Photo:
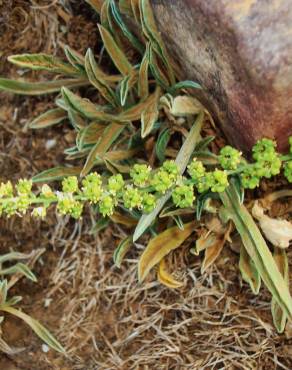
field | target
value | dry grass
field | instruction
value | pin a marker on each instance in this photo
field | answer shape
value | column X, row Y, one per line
column 104, row 318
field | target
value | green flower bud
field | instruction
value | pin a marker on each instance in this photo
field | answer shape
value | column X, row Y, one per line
column 219, row 181
column 288, row 171
column 162, row 181
column 267, row 168
column 171, row 168
column 10, row 207
column 196, row 170
column 70, row 184
column 92, row 188
column 47, row 192
column 115, row 183
column 67, row 205
column 148, row 202
column 22, row 203
column 140, row 174
column 264, row 149
column 132, row 197
column 250, row 178
column 204, row 183
column 106, row 205
column 24, row 187
column 183, row 196
column 6, row 190
column 229, row 158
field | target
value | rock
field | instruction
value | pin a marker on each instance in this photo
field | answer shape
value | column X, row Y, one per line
column 241, row 53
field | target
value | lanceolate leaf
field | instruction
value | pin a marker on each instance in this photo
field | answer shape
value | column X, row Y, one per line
column 150, row 30
column 161, row 144
column 19, row 268
column 85, row 107
column 38, row 88
column 161, row 245
column 43, row 62
column 121, row 250
column 150, row 115
column 165, row 278
column 37, row 327
column 248, row 271
column 184, row 85
column 74, row 58
column 257, row 249
column 111, row 133
column 117, row 55
column 132, row 39
column 49, row 118
column 279, row 316
column 182, row 161
column 143, row 83
column 56, row 173
column 95, row 77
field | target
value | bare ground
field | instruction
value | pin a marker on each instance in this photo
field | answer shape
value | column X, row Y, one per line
column 103, row 317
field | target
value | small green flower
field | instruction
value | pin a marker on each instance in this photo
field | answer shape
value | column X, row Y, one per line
column 10, row 207
column 229, row 158
column 162, row 181
column 70, row 184
column 148, row 202
column 219, row 181
column 39, row 212
column 140, row 174
column 67, row 205
column 46, row 191
column 115, row 183
column 92, row 187
column 22, row 203
column 250, row 178
column 106, row 205
column 205, row 182
column 288, row 170
column 132, row 197
column 24, row 187
column 267, row 168
column 171, row 168
column 6, row 190
column 196, row 170
column 264, row 149
column 183, row 196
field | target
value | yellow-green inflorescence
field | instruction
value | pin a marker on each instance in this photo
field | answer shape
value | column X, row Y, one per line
column 143, row 186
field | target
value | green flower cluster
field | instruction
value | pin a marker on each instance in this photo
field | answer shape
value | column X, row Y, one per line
column 144, row 186
column 267, row 164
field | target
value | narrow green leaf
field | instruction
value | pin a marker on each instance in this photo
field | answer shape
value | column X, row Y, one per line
column 50, row 118
column 128, row 34
column 95, row 77
column 143, row 83
column 150, row 115
column 56, row 173
column 43, row 62
column 257, row 249
column 184, row 85
column 111, row 133
column 3, row 291
column 161, row 144
column 19, row 268
column 182, row 160
column 124, row 90
column 37, row 327
column 39, row 88
column 121, row 250
column 117, row 55
column 76, row 120
column 74, row 58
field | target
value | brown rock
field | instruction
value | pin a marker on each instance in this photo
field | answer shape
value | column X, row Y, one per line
column 240, row 51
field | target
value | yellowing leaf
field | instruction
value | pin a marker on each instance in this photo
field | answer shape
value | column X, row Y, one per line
column 123, row 220
column 184, row 105
column 49, row 118
column 150, row 115
column 117, row 55
column 248, row 271
column 96, row 4
column 43, row 62
column 165, row 278
column 161, row 245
